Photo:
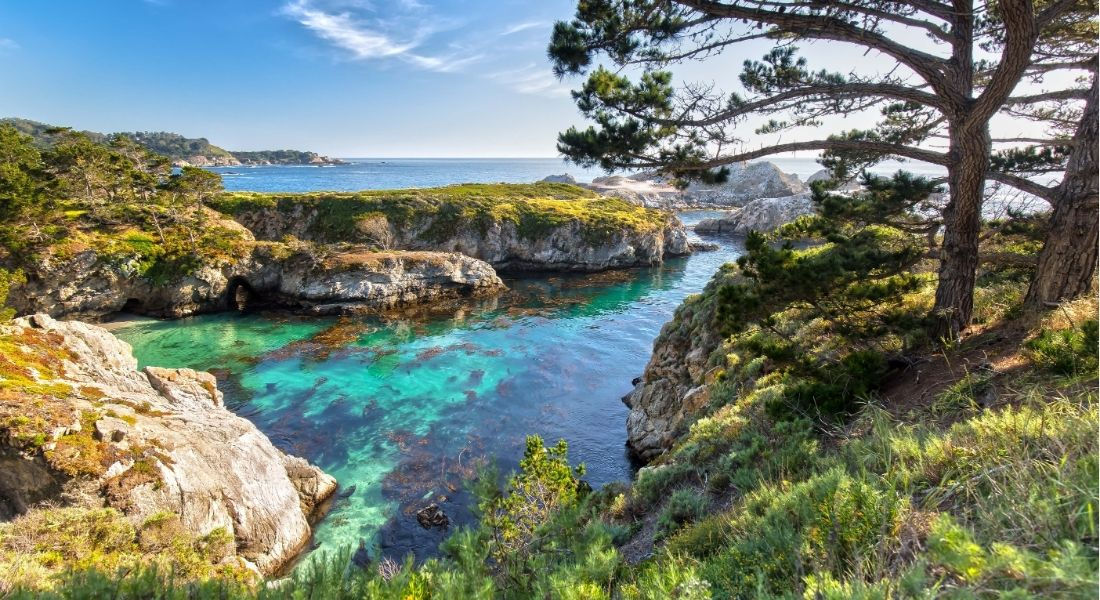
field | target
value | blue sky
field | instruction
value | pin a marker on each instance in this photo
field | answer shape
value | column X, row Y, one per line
column 344, row 77
column 384, row 78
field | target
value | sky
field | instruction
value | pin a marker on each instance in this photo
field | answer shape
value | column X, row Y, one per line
column 348, row 78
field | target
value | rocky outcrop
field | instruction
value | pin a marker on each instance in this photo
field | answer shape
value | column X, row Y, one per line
column 563, row 178
column 746, row 182
column 568, row 246
column 763, row 215
column 146, row 442
column 824, row 175
column 354, row 281
column 673, row 390
column 320, row 280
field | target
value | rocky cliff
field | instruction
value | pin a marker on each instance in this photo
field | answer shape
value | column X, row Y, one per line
column 300, row 276
column 673, row 390
column 517, row 230
column 80, row 425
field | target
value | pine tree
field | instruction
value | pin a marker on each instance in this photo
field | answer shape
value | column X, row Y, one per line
column 941, row 88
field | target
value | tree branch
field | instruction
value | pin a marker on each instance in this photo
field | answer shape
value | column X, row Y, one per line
column 1070, row 94
column 829, row 28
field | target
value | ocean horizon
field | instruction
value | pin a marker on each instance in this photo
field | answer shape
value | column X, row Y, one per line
column 380, row 173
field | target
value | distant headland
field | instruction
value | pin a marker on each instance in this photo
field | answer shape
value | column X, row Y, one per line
column 184, row 151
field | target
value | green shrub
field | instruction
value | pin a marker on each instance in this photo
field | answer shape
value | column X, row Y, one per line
column 1068, row 351
column 684, row 506
column 831, row 523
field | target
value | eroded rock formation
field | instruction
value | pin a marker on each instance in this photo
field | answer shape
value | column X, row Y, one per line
column 88, row 428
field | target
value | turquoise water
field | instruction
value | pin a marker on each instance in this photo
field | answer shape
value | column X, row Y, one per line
column 403, row 409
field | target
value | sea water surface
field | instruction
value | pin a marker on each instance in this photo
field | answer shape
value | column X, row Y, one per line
column 398, row 173
column 401, row 410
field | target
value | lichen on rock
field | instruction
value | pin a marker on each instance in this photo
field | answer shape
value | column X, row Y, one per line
column 83, row 427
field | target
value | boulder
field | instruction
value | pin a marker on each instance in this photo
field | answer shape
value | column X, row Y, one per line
column 824, row 175
column 563, row 178
column 764, row 215
column 173, row 447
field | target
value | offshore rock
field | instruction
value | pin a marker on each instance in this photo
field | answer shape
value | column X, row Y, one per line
column 746, row 182
column 764, row 215
column 164, row 443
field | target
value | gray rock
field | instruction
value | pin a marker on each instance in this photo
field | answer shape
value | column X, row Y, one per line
column 354, row 278
column 563, row 178
column 199, row 461
column 747, row 182
column 563, row 248
column 764, row 215
column 852, row 185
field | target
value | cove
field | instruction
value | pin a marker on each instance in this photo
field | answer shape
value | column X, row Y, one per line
column 401, row 409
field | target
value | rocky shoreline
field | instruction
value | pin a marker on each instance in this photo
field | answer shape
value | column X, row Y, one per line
column 747, row 182
column 281, row 257
column 91, row 430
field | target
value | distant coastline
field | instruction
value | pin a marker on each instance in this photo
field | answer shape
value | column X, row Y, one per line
column 182, row 151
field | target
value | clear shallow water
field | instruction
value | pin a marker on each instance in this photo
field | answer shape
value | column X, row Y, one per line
column 403, row 408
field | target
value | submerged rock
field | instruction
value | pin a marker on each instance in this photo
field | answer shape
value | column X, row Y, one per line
column 432, row 516
column 156, row 441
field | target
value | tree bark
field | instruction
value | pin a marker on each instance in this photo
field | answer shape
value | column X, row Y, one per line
column 967, row 163
column 970, row 149
column 1067, row 262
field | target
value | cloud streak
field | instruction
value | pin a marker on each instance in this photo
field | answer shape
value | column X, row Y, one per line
column 518, row 27
column 531, row 79
column 8, row 45
column 366, row 41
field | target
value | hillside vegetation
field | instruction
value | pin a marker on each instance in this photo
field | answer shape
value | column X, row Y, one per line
column 176, row 147
column 535, row 210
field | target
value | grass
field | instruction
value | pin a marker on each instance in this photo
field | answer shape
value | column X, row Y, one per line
column 439, row 214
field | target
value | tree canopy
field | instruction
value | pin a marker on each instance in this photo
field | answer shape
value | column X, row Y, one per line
column 936, row 94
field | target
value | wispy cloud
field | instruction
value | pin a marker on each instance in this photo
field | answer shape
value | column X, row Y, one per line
column 518, row 27
column 531, row 79
column 373, row 39
column 8, row 45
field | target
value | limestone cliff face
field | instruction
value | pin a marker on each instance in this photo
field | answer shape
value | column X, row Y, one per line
column 146, row 442
column 335, row 280
column 673, row 391
column 564, row 247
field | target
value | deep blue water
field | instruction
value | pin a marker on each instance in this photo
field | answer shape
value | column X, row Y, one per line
column 397, row 173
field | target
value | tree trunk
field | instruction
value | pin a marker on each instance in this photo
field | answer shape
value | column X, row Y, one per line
column 969, row 161
column 1067, row 262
